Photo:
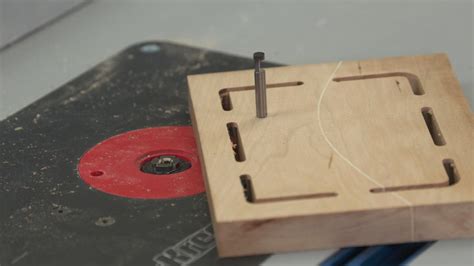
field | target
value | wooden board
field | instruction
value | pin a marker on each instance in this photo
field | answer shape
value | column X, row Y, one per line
column 351, row 153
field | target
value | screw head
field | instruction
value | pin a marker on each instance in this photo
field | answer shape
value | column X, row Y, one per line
column 259, row 56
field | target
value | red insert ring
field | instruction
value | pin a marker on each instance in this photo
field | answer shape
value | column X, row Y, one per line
column 113, row 165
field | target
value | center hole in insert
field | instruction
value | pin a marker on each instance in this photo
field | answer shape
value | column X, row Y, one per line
column 165, row 165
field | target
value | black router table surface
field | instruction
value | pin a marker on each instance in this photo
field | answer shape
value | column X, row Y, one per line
column 48, row 214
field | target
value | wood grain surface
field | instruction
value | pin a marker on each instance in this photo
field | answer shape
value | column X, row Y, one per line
column 351, row 153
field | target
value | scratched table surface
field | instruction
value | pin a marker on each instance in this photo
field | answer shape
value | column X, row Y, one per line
column 326, row 31
column 53, row 217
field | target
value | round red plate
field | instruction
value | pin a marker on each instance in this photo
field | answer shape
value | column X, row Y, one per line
column 113, row 166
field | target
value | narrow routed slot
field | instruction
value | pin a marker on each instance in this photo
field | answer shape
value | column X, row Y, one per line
column 226, row 101
column 433, row 126
column 236, row 141
column 451, row 172
column 247, row 186
column 414, row 81
column 249, row 193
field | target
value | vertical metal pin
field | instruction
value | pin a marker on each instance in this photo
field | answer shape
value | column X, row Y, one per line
column 260, row 85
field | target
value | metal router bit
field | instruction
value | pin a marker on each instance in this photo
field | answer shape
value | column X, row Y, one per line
column 260, row 86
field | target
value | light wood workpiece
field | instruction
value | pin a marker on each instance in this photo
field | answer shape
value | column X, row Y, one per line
column 351, row 153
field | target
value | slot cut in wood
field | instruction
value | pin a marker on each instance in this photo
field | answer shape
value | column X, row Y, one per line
column 236, row 141
column 249, row 193
column 433, row 126
column 248, row 188
column 451, row 172
column 226, row 101
column 414, row 81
